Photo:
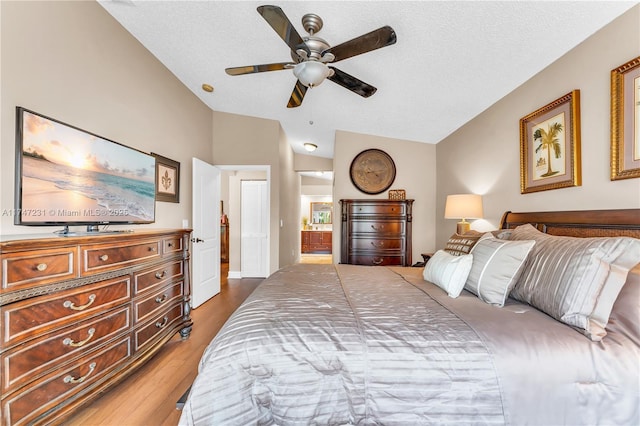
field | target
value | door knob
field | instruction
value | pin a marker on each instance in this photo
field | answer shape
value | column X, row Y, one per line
column 197, row 240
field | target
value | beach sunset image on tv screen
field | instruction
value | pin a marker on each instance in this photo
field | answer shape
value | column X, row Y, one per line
column 71, row 176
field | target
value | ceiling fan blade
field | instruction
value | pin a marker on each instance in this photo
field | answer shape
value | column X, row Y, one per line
column 281, row 24
column 297, row 95
column 350, row 82
column 251, row 69
column 376, row 39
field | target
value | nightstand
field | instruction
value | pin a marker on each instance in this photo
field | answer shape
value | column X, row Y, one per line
column 425, row 259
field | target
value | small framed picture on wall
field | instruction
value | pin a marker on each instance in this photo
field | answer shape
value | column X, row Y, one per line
column 167, row 179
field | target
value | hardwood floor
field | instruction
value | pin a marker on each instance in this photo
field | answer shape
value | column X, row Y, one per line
column 149, row 396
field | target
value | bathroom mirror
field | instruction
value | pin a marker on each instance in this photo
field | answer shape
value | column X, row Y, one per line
column 321, row 213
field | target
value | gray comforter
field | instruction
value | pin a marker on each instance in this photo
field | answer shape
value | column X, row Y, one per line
column 345, row 344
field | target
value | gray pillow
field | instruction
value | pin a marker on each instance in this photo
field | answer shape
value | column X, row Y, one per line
column 496, row 266
column 575, row 280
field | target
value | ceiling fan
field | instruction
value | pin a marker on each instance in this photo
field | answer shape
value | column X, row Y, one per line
column 311, row 54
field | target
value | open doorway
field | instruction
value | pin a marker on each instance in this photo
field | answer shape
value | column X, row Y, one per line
column 236, row 266
column 317, row 217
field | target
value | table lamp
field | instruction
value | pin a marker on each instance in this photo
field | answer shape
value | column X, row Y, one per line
column 463, row 206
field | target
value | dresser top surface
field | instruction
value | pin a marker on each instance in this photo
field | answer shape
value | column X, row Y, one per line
column 8, row 241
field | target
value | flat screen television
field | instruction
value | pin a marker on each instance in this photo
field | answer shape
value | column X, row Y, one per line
column 68, row 176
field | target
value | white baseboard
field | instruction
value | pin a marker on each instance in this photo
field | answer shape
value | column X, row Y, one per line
column 234, row 275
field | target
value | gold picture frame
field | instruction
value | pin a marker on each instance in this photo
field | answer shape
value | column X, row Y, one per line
column 625, row 120
column 550, row 146
column 167, row 179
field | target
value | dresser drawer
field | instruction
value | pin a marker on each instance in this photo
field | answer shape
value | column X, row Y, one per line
column 156, row 302
column 376, row 260
column 23, row 269
column 159, row 326
column 378, row 227
column 54, row 389
column 24, row 319
column 377, row 244
column 378, row 209
column 172, row 245
column 158, row 276
column 28, row 361
column 105, row 257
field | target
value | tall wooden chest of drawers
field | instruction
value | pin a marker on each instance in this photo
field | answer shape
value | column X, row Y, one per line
column 79, row 313
column 376, row 232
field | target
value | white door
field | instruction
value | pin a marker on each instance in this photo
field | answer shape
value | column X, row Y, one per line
column 205, row 255
column 254, row 228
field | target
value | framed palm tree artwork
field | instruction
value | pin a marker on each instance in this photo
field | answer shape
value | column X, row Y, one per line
column 167, row 179
column 550, row 146
column 625, row 120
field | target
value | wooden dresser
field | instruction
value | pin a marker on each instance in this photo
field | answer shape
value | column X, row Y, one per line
column 80, row 313
column 376, row 232
column 316, row 241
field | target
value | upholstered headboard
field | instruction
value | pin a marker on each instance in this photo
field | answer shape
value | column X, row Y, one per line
column 579, row 223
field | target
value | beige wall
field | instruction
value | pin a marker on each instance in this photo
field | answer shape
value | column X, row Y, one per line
column 483, row 156
column 415, row 173
column 289, row 223
column 72, row 61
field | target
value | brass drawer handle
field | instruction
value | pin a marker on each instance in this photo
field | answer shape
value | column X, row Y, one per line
column 104, row 257
column 71, row 379
column 377, row 228
column 377, row 262
column 161, row 275
column 152, row 248
column 377, row 244
column 164, row 322
column 161, row 299
column 169, row 244
column 69, row 342
column 41, row 267
column 69, row 304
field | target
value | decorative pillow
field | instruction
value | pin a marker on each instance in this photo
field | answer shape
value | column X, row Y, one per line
column 503, row 234
column 496, row 266
column 575, row 280
column 460, row 244
column 625, row 315
column 448, row 272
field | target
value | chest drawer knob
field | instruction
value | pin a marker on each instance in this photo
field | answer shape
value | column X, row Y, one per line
column 69, row 342
column 164, row 322
column 162, row 298
column 104, row 257
column 152, row 248
column 41, row 267
column 377, row 227
column 161, row 275
column 377, row 244
column 71, row 379
column 69, row 304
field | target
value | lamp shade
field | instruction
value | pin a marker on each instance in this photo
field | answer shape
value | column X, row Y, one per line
column 311, row 73
column 463, row 206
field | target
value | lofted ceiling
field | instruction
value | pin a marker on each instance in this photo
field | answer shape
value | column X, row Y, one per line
column 451, row 61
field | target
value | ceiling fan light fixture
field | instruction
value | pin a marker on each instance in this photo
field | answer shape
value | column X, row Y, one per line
column 311, row 73
column 310, row 146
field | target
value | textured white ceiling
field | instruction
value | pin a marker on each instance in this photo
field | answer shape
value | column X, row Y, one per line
column 452, row 60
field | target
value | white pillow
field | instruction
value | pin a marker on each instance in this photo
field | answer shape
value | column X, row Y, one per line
column 448, row 272
column 497, row 264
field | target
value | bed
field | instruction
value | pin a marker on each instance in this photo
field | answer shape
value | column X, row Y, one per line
column 347, row 344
